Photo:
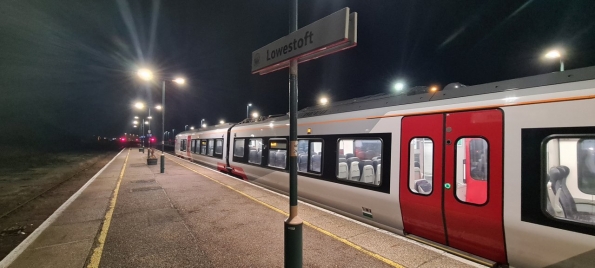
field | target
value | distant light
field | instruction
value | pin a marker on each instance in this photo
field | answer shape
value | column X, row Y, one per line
column 145, row 74
column 139, row 105
column 134, row 125
column 456, row 86
column 255, row 114
column 221, row 122
column 158, row 107
column 553, row 54
column 399, row 86
column 150, row 117
column 204, row 125
column 180, row 80
column 323, row 100
column 146, row 122
column 433, row 89
column 271, row 124
column 136, row 117
column 249, row 104
column 191, row 127
column 287, row 124
column 135, row 122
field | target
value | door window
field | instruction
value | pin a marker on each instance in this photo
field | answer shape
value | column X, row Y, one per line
column 421, row 153
column 472, row 170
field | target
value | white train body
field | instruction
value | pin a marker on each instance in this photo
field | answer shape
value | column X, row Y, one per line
column 468, row 167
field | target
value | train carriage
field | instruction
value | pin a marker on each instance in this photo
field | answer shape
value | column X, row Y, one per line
column 503, row 171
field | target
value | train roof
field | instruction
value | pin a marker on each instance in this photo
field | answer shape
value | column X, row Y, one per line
column 208, row 128
column 423, row 94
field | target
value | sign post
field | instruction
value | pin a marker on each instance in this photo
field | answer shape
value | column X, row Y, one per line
column 328, row 35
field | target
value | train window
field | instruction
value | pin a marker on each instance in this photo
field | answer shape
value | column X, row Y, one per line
column 238, row 147
column 421, row 153
column 570, row 179
column 255, row 152
column 472, row 170
column 303, row 155
column 278, row 153
column 211, row 147
column 360, row 160
column 183, row 145
column 203, row 147
column 316, row 156
column 219, row 146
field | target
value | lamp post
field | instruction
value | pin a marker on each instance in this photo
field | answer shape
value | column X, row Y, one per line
column 201, row 122
column 555, row 54
column 148, row 75
column 248, row 110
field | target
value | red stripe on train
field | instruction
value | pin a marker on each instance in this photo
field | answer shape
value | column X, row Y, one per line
column 239, row 172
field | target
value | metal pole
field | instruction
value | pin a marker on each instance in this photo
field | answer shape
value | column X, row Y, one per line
column 561, row 65
column 162, row 127
column 293, row 224
column 247, row 112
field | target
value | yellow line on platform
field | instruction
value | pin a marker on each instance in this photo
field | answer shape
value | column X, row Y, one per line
column 98, row 251
column 345, row 241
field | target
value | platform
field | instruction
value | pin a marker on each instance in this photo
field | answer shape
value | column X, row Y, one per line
column 130, row 215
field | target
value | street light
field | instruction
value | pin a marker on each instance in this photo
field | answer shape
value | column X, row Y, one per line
column 247, row 110
column 139, row 105
column 146, row 74
column 191, row 128
column 221, row 122
column 201, row 122
column 158, row 107
column 398, row 86
column 204, row 125
column 255, row 114
column 555, row 54
column 136, row 117
column 323, row 100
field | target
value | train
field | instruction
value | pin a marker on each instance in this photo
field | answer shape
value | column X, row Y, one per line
column 501, row 172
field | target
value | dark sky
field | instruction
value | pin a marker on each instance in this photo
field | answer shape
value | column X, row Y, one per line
column 67, row 67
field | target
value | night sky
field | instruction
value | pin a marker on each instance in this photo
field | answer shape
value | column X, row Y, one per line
column 67, row 67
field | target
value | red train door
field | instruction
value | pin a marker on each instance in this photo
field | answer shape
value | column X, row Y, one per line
column 466, row 180
column 422, row 209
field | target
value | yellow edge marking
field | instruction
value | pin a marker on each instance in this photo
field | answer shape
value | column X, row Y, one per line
column 98, row 251
column 345, row 241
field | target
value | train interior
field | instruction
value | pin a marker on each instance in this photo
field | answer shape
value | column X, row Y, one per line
column 315, row 149
column 421, row 164
column 360, row 160
column 570, row 183
column 471, row 168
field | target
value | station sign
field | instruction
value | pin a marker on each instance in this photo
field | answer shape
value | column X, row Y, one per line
column 328, row 35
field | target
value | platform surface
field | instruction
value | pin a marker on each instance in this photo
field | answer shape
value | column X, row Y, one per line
column 131, row 215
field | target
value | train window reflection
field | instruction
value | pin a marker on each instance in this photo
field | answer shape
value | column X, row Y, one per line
column 360, row 160
column 303, row 155
column 570, row 179
column 472, row 170
column 278, row 153
column 421, row 153
column 183, row 145
column 211, row 147
column 238, row 147
column 219, row 146
column 255, row 151
column 316, row 156
column 203, row 147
